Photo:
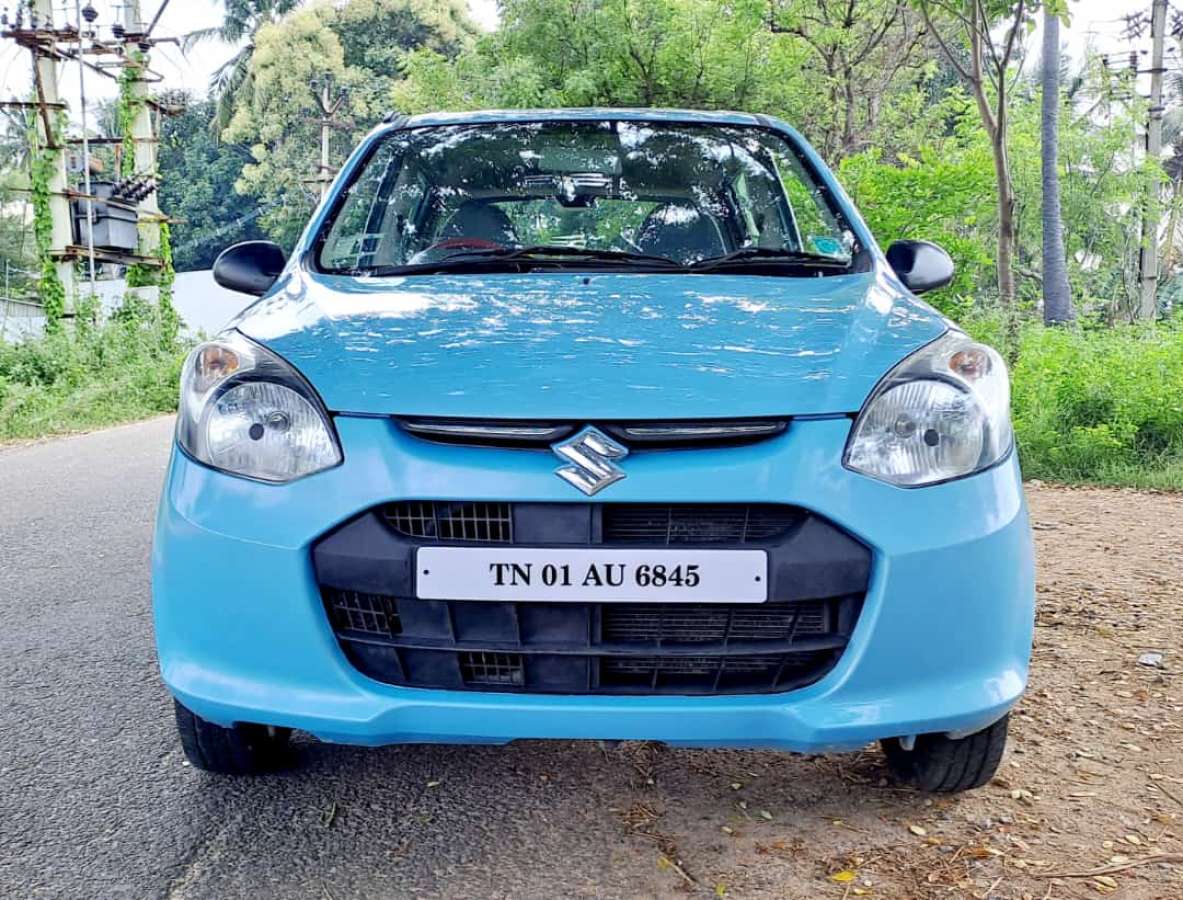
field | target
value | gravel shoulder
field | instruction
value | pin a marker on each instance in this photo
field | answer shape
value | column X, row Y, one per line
column 95, row 800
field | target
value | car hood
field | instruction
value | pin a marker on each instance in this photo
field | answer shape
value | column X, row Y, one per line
column 592, row 346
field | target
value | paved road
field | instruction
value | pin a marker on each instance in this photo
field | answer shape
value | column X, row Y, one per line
column 95, row 800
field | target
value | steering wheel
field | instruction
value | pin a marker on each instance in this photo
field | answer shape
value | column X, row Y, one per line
column 465, row 243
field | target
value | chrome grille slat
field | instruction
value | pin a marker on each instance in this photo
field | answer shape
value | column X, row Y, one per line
column 527, row 433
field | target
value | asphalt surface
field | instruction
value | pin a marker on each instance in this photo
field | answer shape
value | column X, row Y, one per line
column 95, row 797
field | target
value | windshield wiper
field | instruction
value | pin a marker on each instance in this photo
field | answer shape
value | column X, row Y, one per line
column 547, row 255
column 766, row 255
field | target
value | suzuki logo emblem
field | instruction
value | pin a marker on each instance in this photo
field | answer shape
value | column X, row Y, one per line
column 592, row 456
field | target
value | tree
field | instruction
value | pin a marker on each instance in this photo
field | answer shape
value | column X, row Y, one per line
column 987, row 76
column 198, row 173
column 279, row 120
column 703, row 54
column 861, row 47
column 242, row 21
column 1057, row 300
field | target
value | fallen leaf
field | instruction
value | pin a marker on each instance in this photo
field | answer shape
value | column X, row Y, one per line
column 844, row 876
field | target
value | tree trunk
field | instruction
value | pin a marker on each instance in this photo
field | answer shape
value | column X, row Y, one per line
column 995, row 123
column 1057, row 299
column 1007, row 229
column 1172, row 225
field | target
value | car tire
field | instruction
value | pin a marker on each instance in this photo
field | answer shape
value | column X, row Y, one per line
column 244, row 749
column 947, row 765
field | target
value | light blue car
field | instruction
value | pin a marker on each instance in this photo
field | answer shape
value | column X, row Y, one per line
column 602, row 424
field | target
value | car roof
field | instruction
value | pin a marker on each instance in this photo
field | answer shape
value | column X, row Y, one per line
column 584, row 114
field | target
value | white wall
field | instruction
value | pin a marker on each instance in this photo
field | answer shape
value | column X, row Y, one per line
column 204, row 306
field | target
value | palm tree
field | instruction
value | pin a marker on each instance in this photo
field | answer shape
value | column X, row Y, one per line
column 1172, row 136
column 1057, row 299
column 231, row 81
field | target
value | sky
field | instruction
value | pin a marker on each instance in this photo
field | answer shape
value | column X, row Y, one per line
column 1098, row 22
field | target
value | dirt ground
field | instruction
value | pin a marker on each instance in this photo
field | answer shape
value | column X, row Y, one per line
column 1088, row 801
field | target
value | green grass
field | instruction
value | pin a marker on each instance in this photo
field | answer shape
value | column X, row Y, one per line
column 1098, row 406
column 124, row 370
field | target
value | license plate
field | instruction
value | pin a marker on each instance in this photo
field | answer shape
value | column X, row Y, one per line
column 592, row 576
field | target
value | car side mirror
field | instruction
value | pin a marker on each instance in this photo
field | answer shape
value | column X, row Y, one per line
column 250, row 267
column 920, row 265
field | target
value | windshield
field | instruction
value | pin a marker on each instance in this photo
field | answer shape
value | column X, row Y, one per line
column 585, row 195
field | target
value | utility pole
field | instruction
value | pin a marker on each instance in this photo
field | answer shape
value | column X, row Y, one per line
column 85, row 141
column 1148, row 304
column 143, row 137
column 322, row 91
column 45, row 80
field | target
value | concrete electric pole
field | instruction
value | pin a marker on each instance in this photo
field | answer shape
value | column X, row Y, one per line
column 322, row 90
column 45, row 80
column 144, row 140
column 1148, row 305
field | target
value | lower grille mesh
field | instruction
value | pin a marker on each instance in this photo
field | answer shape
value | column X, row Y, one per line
column 645, row 623
column 691, row 524
column 622, row 523
column 483, row 667
column 485, row 523
column 591, row 648
column 368, row 613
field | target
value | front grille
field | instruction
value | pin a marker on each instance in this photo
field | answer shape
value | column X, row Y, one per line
column 693, row 524
column 486, row 523
column 817, row 577
column 619, row 523
column 485, row 668
column 659, row 623
column 637, row 435
column 707, row 672
column 354, row 611
column 597, row 648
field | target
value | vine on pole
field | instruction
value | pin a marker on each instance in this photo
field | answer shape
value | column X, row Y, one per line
column 138, row 275
column 43, row 161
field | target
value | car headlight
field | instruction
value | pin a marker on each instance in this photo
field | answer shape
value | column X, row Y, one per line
column 245, row 411
column 942, row 413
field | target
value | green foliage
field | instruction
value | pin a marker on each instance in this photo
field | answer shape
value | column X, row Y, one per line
column 127, row 109
column 198, row 186
column 170, row 321
column 1089, row 403
column 1096, row 404
column 280, row 120
column 125, row 369
column 691, row 53
column 42, row 164
column 943, row 190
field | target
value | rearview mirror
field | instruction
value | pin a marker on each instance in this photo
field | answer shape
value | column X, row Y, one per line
column 920, row 265
column 250, row 267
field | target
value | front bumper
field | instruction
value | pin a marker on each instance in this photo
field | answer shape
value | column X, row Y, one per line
column 941, row 645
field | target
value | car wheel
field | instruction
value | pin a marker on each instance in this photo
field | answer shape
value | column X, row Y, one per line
column 947, row 765
column 245, row 749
